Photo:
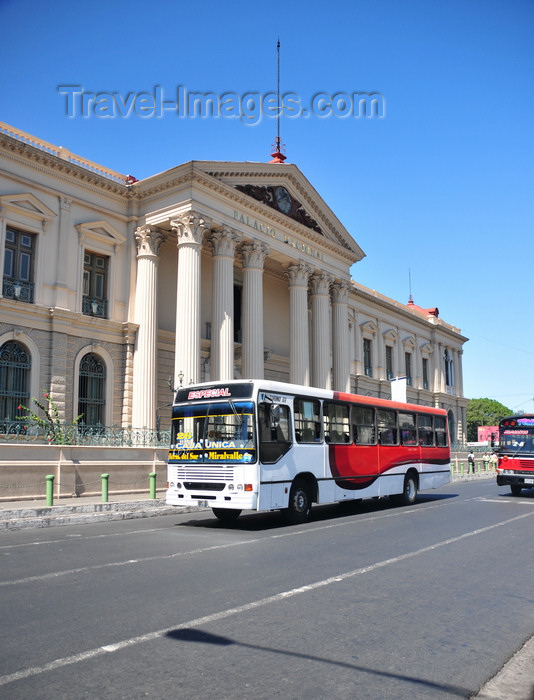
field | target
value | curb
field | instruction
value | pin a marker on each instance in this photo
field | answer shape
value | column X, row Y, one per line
column 56, row 516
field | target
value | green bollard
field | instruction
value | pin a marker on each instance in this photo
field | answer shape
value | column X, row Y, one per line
column 105, row 478
column 49, row 489
column 152, row 476
column 462, row 468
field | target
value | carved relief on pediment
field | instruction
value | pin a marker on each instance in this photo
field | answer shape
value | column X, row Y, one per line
column 280, row 199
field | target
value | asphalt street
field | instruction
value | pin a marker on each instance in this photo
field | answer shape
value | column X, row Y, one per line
column 366, row 601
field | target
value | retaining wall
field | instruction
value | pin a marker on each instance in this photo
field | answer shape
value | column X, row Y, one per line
column 77, row 470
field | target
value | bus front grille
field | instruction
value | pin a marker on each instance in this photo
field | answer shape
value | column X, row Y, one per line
column 196, row 474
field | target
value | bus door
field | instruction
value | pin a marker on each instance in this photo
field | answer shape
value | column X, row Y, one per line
column 275, row 441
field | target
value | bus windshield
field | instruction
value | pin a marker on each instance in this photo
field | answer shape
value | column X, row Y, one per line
column 213, row 432
column 517, row 440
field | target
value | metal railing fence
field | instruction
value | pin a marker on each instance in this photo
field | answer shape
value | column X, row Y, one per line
column 28, row 431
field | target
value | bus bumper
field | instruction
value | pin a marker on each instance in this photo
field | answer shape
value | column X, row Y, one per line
column 523, row 480
column 237, row 500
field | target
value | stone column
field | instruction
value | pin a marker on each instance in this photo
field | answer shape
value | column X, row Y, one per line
column 222, row 315
column 321, row 329
column 254, row 254
column 189, row 228
column 299, row 347
column 460, row 384
column 148, row 241
column 340, row 335
column 358, row 344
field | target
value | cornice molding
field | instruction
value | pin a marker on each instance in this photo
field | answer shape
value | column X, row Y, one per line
column 54, row 166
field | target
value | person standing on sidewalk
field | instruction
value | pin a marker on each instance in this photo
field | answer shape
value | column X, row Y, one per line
column 471, row 463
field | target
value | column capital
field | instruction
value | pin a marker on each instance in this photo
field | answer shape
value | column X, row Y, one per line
column 340, row 292
column 65, row 203
column 224, row 241
column 254, row 254
column 298, row 274
column 190, row 227
column 149, row 240
column 320, row 283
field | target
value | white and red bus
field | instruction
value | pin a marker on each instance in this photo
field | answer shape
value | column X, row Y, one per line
column 516, row 453
column 263, row 445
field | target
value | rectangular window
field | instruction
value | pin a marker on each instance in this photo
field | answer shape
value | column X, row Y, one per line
column 95, row 284
column 408, row 430
column 426, row 434
column 387, row 427
column 363, row 425
column 19, row 255
column 336, row 423
column 408, row 367
column 389, row 362
column 307, row 421
column 425, row 373
column 367, row 358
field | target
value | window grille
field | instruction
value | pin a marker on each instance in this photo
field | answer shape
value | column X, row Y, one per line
column 92, row 390
column 15, row 367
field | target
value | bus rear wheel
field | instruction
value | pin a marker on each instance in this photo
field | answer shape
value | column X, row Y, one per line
column 226, row 515
column 300, row 503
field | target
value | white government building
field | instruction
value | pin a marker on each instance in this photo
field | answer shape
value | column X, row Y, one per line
column 115, row 290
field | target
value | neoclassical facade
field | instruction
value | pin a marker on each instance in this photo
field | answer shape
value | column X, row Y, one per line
column 117, row 290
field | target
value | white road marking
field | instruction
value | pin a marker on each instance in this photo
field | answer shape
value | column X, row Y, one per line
column 223, row 614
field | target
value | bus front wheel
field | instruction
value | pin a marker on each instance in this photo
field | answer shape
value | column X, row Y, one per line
column 226, row 515
column 300, row 503
column 515, row 489
column 409, row 492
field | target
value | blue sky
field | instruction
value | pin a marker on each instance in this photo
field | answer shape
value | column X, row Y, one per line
column 439, row 190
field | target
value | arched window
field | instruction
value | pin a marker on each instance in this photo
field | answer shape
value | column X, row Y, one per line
column 92, row 390
column 15, row 367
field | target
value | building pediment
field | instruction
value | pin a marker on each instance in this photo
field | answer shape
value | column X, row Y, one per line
column 284, row 189
column 102, row 232
column 28, row 205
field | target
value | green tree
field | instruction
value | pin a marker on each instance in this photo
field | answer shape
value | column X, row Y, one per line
column 483, row 412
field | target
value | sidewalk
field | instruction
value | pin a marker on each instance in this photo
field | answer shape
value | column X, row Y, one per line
column 26, row 514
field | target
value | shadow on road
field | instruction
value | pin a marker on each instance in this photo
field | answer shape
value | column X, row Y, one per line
column 189, row 634
column 255, row 522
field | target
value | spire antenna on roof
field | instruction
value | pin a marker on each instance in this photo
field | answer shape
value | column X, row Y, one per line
column 410, row 299
column 277, row 155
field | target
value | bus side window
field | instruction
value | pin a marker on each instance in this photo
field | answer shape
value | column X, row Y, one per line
column 408, row 430
column 426, row 433
column 274, row 429
column 307, row 420
column 363, row 425
column 336, row 423
column 387, row 427
column 440, row 428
